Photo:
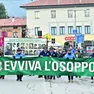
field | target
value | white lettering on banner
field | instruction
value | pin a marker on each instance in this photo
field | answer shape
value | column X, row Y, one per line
column 62, row 68
column 77, row 66
column 46, row 65
column 13, row 65
column 6, row 65
column 26, row 65
column 55, row 66
column 91, row 67
column 21, row 65
column 31, row 65
column 37, row 66
column 70, row 66
column 84, row 66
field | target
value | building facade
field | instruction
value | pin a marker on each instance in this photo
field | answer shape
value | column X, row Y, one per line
column 13, row 27
column 60, row 17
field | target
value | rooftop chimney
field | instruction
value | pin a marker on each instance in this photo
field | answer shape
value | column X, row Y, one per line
column 13, row 19
column 58, row 1
column 80, row 1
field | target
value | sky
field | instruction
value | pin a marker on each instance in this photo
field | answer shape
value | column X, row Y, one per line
column 13, row 7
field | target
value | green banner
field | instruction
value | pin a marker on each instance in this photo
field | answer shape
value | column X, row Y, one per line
column 47, row 66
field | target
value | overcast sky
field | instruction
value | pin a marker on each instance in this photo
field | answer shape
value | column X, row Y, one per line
column 13, row 7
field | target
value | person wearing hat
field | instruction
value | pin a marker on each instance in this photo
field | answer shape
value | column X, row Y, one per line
column 52, row 54
column 43, row 53
column 69, row 55
column 19, row 55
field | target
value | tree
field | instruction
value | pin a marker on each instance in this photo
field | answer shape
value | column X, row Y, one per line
column 3, row 13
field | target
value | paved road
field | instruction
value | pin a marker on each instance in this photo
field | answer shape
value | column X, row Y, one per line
column 34, row 85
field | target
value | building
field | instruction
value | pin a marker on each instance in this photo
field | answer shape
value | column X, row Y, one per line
column 60, row 17
column 13, row 27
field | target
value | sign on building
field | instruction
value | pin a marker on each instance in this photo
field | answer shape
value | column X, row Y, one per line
column 70, row 38
column 89, row 49
column 74, row 31
column 80, row 38
column 29, row 46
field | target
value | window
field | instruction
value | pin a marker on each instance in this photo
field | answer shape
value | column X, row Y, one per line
column 53, row 30
column 37, row 16
column 15, row 34
column 87, row 13
column 87, row 29
column 62, row 30
column 70, row 29
column 36, row 30
column 79, row 29
column 53, row 13
column 70, row 13
column 15, row 27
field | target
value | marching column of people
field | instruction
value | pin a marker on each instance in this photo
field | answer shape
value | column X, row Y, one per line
column 71, row 53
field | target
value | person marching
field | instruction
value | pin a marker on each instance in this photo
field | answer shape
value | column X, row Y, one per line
column 43, row 53
column 52, row 54
column 61, row 53
column 92, row 56
column 19, row 55
column 78, row 55
column 69, row 55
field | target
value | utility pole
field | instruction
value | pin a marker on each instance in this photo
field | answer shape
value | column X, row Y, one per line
column 92, row 43
column 75, row 24
column 75, row 20
column 47, row 43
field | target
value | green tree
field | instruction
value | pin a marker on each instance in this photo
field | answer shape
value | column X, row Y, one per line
column 3, row 13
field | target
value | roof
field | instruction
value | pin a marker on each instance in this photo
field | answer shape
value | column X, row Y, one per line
column 57, row 2
column 13, row 22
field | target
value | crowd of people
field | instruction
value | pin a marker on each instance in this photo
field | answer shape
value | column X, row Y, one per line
column 70, row 53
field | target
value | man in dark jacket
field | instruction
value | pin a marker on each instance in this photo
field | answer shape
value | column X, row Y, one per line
column 43, row 53
column 52, row 54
